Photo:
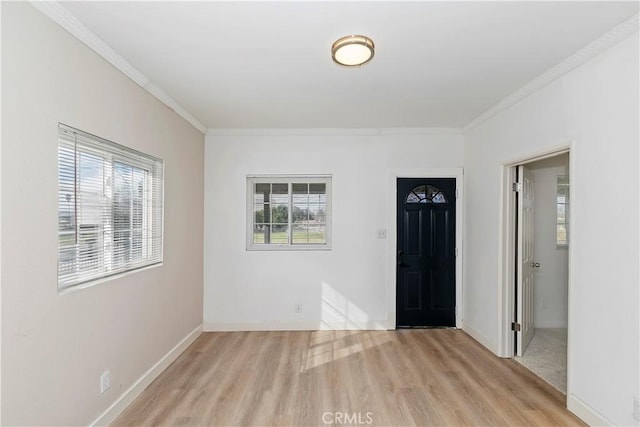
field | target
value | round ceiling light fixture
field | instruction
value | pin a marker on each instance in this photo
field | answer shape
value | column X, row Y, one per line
column 352, row 51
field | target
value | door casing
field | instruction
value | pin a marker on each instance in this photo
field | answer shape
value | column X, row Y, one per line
column 392, row 227
column 507, row 253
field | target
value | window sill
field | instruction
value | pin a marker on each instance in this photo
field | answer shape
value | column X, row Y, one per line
column 296, row 248
column 105, row 279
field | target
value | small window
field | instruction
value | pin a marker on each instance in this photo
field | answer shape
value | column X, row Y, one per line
column 289, row 212
column 109, row 208
column 426, row 194
column 562, row 211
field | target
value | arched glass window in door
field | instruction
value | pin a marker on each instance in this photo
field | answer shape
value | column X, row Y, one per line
column 426, row 194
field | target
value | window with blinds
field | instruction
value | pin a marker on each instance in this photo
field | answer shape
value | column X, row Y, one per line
column 109, row 208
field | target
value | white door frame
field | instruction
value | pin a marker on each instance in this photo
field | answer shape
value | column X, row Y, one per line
column 507, row 251
column 392, row 228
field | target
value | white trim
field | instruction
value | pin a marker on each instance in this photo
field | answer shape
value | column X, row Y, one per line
column 332, row 131
column 163, row 97
column 304, row 325
column 536, row 156
column 117, row 407
column 1, row 240
column 57, row 13
column 506, row 246
column 506, row 271
column 394, row 174
column 617, row 34
column 586, row 413
column 570, row 276
column 481, row 338
column 506, row 255
column 105, row 279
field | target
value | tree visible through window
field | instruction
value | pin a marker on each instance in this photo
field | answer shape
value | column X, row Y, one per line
column 289, row 212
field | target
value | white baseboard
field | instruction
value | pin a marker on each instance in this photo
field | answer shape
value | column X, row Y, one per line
column 302, row 325
column 112, row 412
column 544, row 324
column 481, row 338
column 586, row 413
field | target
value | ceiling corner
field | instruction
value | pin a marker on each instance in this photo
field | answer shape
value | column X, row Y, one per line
column 57, row 13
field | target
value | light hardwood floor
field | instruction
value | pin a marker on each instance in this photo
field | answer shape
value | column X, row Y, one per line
column 392, row 378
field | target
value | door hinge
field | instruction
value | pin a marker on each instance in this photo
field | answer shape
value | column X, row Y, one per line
column 515, row 326
column 517, row 186
column 456, row 252
column 456, row 194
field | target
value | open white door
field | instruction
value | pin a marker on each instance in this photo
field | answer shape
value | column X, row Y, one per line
column 526, row 263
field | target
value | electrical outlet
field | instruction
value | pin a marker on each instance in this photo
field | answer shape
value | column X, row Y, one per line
column 105, row 381
column 298, row 308
column 636, row 408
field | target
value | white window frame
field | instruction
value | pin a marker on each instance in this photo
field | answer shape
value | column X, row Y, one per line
column 152, row 207
column 252, row 180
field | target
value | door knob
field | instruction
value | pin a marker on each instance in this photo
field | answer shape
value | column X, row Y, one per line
column 535, row 264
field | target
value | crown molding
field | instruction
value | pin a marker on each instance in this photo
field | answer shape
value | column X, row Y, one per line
column 593, row 49
column 332, row 131
column 57, row 13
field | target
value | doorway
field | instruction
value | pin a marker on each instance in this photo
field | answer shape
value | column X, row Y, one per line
column 426, row 252
column 540, row 260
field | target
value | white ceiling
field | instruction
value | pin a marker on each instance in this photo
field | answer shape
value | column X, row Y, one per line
column 268, row 64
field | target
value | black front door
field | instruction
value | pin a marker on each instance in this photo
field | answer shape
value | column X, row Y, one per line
column 426, row 252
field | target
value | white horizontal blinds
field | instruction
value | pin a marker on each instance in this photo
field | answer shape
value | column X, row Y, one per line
column 109, row 208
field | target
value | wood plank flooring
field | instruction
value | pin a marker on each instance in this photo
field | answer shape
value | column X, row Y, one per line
column 428, row 377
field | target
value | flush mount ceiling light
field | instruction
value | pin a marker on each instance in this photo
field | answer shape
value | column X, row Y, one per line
column 352, row 51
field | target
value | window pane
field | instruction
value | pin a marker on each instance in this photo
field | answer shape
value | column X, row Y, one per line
column 317, row 234
column 258, row 233
column 66, row 192
column 261, row 197
column 129, row 188
column 561, row 234
column 299, row 213
column 300, row 234
column 279, row 214
column 258, row 213
column 279, row 193
column 317, row 193
column 280, row 234
column 90, row 189
column 317, row 188
column 317, row 213
column 562, row 207
column 299, row 188
column 89, row 247
column 561, row 212
column 417, row 195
